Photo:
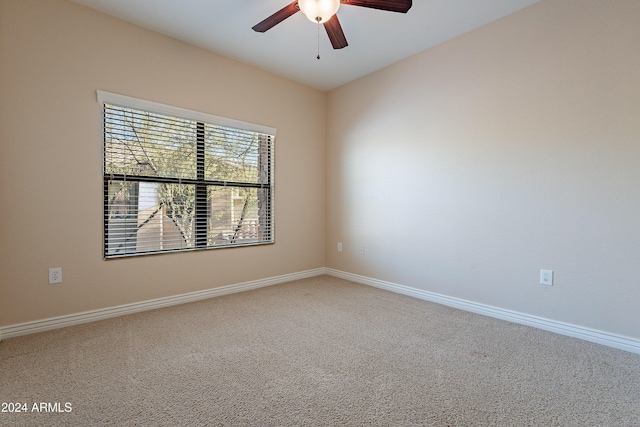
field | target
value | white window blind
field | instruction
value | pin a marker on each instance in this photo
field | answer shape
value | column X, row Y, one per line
column 174, row 183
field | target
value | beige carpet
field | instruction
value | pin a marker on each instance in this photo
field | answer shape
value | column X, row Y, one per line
column 316, row 352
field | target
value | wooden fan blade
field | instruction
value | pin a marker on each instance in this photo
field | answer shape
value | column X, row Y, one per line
column 334, row 31
column 402, row 6
column 276, row 18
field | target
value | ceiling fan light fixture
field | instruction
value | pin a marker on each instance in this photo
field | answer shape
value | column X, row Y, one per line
column 319, row 11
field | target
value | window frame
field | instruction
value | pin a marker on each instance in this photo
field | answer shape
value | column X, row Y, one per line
column 201, row 184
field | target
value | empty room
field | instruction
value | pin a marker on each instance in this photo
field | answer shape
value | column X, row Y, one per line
column 320, row 212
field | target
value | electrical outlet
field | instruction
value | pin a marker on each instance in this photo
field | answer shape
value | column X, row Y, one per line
column 55, row 275
column 339, row 246
column 546, row 277
column 362, row 250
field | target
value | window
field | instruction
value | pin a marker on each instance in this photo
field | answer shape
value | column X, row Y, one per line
column 178, row 180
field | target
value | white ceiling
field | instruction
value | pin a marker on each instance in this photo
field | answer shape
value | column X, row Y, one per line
column 376, row 38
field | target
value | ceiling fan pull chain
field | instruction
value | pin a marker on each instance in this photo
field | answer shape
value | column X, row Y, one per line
column 318, row 19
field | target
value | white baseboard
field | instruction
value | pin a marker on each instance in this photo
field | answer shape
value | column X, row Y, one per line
column 611, row 340
column 121, row 310
column 587, row 334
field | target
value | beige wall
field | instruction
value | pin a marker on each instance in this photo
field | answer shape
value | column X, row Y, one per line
column 466, row 169
column 54, row 55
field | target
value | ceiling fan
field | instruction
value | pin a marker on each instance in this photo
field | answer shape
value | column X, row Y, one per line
column 324, row 12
